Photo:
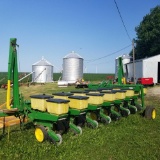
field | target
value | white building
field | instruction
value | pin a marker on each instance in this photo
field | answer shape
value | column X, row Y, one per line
column 144, row 68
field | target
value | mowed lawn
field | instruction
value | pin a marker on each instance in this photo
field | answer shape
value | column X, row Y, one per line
column 131, row 138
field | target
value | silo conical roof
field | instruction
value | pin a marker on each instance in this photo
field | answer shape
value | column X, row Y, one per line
column 43, row 62
column 73, row 55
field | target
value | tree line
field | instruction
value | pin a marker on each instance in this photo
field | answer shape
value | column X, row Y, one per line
column 147, row 42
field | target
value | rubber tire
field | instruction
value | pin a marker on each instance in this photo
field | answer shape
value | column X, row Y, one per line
column 139, row 107
column 94, row 116
column 132, row 110
column 115, row 117
column 60, row 141
column 106, row 112
column 60, row 127
column 96, row 124
column 104, row 121
column 124, row 113
column 80, row 120
column 80, row 129
column 149, row 112
column 41, row 130
column 66, row 125
column 117, row 109
column 90, row 125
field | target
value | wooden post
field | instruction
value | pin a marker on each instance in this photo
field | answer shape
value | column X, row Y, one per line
column 134, row 71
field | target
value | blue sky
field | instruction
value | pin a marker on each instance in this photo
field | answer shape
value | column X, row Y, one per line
column 54, row 28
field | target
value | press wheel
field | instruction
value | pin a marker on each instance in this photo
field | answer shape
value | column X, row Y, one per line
column 150, row 112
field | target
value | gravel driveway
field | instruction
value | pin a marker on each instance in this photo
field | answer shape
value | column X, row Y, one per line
column 153, row 91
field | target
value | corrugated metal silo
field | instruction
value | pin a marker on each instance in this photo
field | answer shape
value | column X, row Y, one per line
column 72, row 67
column 42, row 71
column 125, row 59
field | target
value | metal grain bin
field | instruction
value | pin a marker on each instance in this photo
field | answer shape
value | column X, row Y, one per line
column 72, row 67
column 42, row 71
column 125, row 60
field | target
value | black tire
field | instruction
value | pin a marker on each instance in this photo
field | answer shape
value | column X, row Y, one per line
column 80, row 120
column 132, row 110
column 150, row 112
column 92, row 126
column 89, row 125
column 66, row 125
column 60, row 127
column 117, row 108
column 104, row 121
column 124, row 113
column 139, row 107
column 94, row 116
column 107, row 112
column 114, row 117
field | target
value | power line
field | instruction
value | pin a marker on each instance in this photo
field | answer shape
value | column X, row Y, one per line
column 108, row 54
column 122, row 20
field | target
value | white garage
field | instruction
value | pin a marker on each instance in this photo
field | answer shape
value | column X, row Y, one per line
column 144, row 68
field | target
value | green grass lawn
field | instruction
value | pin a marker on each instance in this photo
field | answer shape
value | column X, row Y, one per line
column 131, row 138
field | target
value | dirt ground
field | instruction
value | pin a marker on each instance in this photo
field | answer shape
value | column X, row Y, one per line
column 153, row 91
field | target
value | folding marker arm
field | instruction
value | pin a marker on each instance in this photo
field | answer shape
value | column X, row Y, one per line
column 13, row 75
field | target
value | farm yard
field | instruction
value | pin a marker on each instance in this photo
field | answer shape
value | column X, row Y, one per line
column 47, row 113
column 129, row 138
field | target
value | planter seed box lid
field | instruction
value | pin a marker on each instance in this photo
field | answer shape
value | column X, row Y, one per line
column 108, row 92
column 91, row 90
column 62, row 94
column 78, row 97
column 94, row 94
column 108, row 88
column 121, row 91
column 79, row 92
column 41, row 96
column 54, row 100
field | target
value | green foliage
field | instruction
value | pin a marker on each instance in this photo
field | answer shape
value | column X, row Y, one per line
column 3, row 77
column 57, row 76
column 96, row 77
column 87, row 76
column 148, row 33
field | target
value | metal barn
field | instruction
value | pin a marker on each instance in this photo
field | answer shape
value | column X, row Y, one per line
column 144, row 68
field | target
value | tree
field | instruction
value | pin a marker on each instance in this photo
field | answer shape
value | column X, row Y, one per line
column 148, row 35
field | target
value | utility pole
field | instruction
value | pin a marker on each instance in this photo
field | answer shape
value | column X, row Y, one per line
column 134, row 71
